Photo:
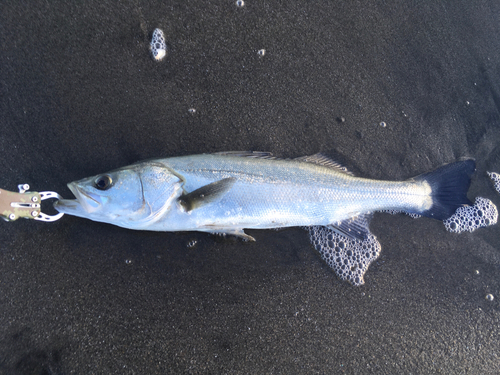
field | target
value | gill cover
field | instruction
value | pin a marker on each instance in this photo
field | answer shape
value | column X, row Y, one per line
column 160, row 188
column 130, row 197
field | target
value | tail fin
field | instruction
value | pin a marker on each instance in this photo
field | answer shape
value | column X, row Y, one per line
column 449, row 185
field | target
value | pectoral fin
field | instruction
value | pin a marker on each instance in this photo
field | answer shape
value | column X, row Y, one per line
column 206, row 194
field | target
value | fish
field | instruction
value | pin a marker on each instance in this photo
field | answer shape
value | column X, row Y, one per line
column 228, row 192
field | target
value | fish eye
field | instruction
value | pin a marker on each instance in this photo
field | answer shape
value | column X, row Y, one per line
column 103, row 182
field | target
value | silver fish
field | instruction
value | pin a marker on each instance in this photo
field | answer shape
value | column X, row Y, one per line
column 232, row 191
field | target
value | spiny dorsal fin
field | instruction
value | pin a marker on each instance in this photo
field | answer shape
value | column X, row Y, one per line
column 247, row 154
column 318, row 159
column 325, row 161
column 206, row 194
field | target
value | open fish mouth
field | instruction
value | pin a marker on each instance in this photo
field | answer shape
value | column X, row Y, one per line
column 82, row 205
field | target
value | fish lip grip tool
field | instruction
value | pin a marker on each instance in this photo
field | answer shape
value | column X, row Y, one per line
column 26, row 204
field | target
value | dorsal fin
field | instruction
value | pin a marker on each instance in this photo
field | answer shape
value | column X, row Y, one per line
column 318, row 159
column 325, row 161
column 247, row 154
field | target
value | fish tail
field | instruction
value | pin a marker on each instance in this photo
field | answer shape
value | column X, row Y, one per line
column 449, row 185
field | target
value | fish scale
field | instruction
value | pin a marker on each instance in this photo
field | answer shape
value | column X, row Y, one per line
column 292, row 193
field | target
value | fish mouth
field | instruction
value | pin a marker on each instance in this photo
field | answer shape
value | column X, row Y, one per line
column 83, row 205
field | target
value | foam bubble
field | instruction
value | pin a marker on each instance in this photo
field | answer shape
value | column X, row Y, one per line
column 395, row 212
column 348, row 257
column 158, row 45
column 495, row 177
column 469, row 218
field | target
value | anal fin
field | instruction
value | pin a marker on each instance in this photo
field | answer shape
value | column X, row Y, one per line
column 348, row 257
column 356, row 227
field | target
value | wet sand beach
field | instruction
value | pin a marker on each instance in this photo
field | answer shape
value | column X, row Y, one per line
column 389, row 89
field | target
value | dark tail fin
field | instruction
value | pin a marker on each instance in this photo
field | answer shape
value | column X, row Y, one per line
column 449, row 186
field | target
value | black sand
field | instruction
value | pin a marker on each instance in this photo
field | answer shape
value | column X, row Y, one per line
column 80, row 95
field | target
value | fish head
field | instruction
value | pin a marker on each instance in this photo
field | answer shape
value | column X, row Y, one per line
column 130, row 197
